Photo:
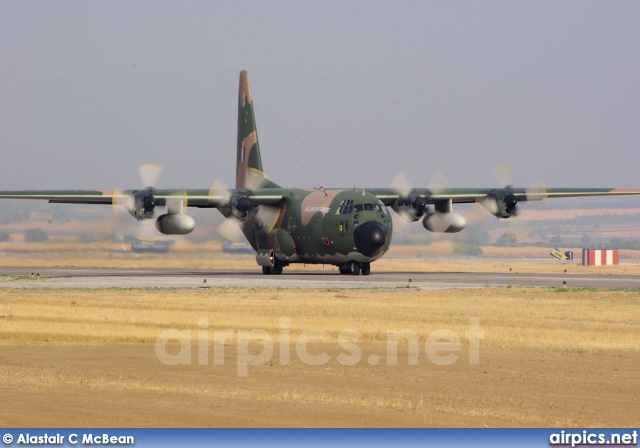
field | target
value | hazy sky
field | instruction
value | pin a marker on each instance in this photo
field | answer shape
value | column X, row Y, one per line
column 90, row 90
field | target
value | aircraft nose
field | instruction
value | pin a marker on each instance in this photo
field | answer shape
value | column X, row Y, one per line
column 369, row 238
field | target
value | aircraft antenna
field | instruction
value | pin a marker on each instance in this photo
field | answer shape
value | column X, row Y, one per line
column 317, row 153
column 300, row 164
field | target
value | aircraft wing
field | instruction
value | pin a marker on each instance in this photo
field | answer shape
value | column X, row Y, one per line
column 193, row 198
column 470, row 195
column 270, row 196
column 62, row 196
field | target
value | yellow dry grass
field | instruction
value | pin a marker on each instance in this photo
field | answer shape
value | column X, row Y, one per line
column 510, row 317
column 547, row 355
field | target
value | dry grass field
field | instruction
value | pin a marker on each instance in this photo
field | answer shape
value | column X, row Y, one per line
column 546, row 358
column 437, row 257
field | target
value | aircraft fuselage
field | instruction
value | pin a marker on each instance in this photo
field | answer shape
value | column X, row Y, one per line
column 320, row 227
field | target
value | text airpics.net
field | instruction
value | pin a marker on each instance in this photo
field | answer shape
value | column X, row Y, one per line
column 256, row 347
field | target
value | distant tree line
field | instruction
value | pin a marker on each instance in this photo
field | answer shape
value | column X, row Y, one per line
column 35, row 236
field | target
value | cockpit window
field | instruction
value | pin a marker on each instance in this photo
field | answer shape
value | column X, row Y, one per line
column 358, row 208
column 380, row 207
column 368, row 207
column 345, row 207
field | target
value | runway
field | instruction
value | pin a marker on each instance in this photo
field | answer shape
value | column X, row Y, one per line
column 186, row 278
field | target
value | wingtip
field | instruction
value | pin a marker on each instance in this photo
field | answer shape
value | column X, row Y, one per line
column 626, row 190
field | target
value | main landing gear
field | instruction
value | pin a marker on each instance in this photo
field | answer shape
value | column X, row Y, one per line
column 351, row 268
column 276, row 269
column 355, row 268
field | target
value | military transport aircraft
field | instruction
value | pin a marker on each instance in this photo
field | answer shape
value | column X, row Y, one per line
column 348, row 228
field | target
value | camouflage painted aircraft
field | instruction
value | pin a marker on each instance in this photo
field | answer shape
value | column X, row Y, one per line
column 348, row 228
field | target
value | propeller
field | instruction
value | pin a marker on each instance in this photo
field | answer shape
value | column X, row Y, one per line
column 149, row 174
column 230, row 230
column 503, row 202
column 439, row 182
column 237, row 209
column 237, row 206
column 146, row 231
column 410, row 205
column 503, row 174
column 230, row 227
column 140, row 204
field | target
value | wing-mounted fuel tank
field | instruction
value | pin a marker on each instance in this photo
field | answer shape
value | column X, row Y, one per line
column 175, row 221
column 443, row 220
column 175, row 224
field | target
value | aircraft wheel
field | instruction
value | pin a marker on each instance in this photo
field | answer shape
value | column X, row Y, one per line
column 277, row 267
column 354, row 268
column 365, row 269
column 344, row 270
column 266, row 270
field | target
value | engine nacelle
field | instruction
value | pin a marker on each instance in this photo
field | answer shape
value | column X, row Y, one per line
column 444, row 222
column 142, row 204
column 175, row 224
column 501, row 203
column 240, row 206
column 411, row 207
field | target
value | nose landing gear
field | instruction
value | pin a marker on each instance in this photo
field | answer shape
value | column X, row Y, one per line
column 355, row 268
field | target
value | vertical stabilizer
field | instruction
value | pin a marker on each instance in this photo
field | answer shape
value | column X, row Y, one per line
column 249, row 172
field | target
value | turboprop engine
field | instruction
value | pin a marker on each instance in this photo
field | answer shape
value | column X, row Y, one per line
column 141, row 204
column 240, row 206
column 410, row 206
column 501, row 202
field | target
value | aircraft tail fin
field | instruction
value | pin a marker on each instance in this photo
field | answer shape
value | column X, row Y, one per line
column 249, row 172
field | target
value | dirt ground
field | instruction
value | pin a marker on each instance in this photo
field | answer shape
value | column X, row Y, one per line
column 546, row 358
column 125, row 385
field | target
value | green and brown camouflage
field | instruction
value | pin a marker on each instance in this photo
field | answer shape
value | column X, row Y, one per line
column 320, row 227
column 249, row 171
column 347, row 228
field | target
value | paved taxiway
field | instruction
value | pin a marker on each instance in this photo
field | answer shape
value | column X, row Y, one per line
column 185, row 278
